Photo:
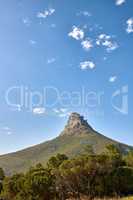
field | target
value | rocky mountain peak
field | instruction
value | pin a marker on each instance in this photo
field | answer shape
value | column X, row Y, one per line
column 76, row 125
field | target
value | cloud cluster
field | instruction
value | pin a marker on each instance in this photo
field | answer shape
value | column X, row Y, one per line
column 129, row 25
column 107, row 42
column 87, row 44
column 102, row 40
column 76, row 33
column 59, row 112
column 46, row 13
column 87, row 65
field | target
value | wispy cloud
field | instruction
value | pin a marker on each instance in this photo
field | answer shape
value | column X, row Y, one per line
column 87, row 65
column 39, row 110
column 129, row 28
column 84, row 13
column 120, row 2
column 26, row 21
column 61, row 112
column 9, row 133
column 76, row 33
column 107, row 42
column 87, row 44
column 46, row 13
column 6, row 130
column 112, row 79
column 17, row 108
column 53, row 25
column 32, row 42
column 51, row 60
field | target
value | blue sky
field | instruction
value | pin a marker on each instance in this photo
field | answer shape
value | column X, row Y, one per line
column 60, row 57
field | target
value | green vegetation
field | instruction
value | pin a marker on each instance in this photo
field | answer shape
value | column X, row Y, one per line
column 70, row 145
column 87, row 176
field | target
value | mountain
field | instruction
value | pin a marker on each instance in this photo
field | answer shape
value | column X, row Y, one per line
column 72, row 140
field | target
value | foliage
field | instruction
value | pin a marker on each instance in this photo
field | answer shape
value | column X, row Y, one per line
column 94, row 176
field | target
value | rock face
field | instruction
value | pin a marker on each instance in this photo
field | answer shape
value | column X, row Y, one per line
column 76, row 125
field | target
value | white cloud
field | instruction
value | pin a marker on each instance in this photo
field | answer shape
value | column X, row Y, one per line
column 106, row 41
column 61, row 112
column 39, row 110
column 129, row 25
column 85, row 26
column 51, row 60
column 120, row 2
column 76, row 33
column 64, row 110
column 84, row 13
column 9, row 133
column 46, row 13
column 112, row 79
column 32, row 42
column 104, row 58
column 53, row 25
column 87, row 65
column 87, row 44
column 17, row 108
column 26, row 21
column 6, row 130
column 56, row 110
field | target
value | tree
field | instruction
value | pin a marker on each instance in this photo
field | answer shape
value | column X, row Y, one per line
column 114, row 155
column 129, row 158
column 39, row 183
column 13, row 185
column 2, row 176
column 55, row 161
column 123, row 180
column 87, row 174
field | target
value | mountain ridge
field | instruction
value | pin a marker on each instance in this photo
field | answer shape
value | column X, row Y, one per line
column 72, row 140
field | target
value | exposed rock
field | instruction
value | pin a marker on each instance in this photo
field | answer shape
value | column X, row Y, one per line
column 76, row 125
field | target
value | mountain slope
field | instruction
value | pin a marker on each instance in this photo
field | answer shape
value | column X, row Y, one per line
column 72, row 140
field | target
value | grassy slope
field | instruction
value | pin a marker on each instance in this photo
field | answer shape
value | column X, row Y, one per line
column 70, row 145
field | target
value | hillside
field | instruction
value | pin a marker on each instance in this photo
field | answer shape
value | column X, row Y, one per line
column 72, row 140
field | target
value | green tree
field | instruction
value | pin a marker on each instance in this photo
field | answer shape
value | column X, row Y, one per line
column 39, row 184
column 2, row 176
column 56, row 161
column 114, row 155
column 123, row 180
column 13, row 185
column 129, row 158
